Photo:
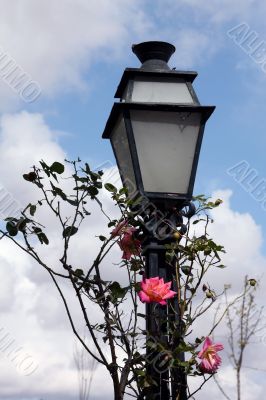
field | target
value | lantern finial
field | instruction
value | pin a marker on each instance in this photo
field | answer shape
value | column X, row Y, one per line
column 154, row 55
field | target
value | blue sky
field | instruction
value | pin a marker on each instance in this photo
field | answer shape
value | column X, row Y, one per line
column 76, row 51
column 228, row 78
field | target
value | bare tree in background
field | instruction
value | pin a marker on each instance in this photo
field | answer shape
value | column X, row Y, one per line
column 86, row 366
column 244, row 321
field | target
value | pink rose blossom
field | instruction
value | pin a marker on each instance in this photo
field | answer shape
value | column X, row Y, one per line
column 155, row 290
column 121, row 228
column 210, row 359
column 129, row 245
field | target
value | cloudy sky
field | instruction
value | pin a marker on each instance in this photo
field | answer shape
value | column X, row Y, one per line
column 73, row 53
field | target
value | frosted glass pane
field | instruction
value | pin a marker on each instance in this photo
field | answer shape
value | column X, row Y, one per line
column 121, row 148
column 165, row 144
column 156, row 91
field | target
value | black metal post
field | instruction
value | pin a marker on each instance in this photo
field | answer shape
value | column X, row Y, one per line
column 156, row 327
column 178, row 376
column 164, row 325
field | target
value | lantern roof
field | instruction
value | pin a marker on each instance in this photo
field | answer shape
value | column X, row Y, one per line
column 118, row 108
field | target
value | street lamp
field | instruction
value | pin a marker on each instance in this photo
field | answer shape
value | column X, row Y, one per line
column 157, row 127
column 156, row 132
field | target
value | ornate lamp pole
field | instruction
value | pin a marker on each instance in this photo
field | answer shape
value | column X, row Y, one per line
column 156, row 132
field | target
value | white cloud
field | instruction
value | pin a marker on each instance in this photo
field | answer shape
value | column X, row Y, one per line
column 33, row 314
column 214, row 13
column 242, row 239
column 251, row 390
column 25, row 139
column 55, row 42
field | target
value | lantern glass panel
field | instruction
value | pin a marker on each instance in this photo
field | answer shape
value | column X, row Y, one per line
column 154, row 90
column 121, row 149
column 165, row 143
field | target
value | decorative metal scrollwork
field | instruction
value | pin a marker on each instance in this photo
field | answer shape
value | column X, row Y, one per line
column 162, row 224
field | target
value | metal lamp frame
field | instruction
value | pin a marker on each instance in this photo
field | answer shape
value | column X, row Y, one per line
column 123, row 110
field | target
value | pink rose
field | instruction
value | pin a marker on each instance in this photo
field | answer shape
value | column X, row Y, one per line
column 129, row 245
column 121, row 228
column 155, row 290
column 210, row 359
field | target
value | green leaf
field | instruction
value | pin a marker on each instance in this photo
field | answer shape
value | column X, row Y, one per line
column 140, row 372
column 43, row 238
column 220, row 266
column 102, row 238
column 69, row 231
column 32, row 209
column 22, row 223
column 112, row 223
column 87, row 168
column 12, row 228
column 186, row 269
column 79, row 272
column 92, row 190
column 117, row 291
column 45, row 168
column 199, row 340
column 57, row 167
column 94, row 176
column 40, row 235
column 72, row 202
column 37, row 230
column 218, row 202
column 135, row 265
column 58, row 191
column 110, row 188
column 99, row 185
column 80, row 178
column 123, row 190
column 31, row 176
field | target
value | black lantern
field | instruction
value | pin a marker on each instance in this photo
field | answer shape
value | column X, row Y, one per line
column 157, row 127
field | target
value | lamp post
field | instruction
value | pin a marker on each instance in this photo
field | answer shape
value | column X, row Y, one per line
column 156, row 132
